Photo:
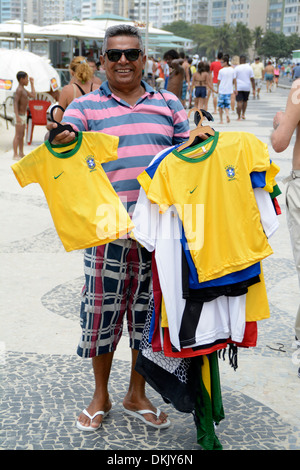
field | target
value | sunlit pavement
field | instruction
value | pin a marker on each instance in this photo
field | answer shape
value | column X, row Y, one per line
column 44, row 384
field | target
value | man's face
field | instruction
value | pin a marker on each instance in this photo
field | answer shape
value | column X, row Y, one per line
column 123, row 72
column 169, row 60
column 93, row 66
column 25, row 80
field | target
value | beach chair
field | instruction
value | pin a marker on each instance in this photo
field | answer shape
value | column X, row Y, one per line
column 37, row 116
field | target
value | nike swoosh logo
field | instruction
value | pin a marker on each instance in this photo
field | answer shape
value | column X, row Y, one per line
column 55, row 177
column 191, row 192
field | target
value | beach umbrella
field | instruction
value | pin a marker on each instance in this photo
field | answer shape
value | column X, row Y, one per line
column 13, row 61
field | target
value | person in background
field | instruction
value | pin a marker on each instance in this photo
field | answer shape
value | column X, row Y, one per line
column 186, row 81
column 21, row 98
column 92, row 63
column 234, row 62
column 166, row 71
column 81, row 83
column 226, row 87
column 209, row 90
column 276, row 75
column 269, row 76
column 200, row 83
column 177, row 73
column 285, row 124
column 215, row 66
column 192, row 70
column 150, row 71
column 258, row 70
column 244, row 80
column 296, row 72
column 160, row 76
column 119, row 274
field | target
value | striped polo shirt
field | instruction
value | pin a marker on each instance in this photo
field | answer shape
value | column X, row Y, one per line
column 157, row 120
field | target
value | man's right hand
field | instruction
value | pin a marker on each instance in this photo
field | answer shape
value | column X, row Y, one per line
column 62, row 138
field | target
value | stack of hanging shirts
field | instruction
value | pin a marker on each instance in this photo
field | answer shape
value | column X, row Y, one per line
column 206, row 213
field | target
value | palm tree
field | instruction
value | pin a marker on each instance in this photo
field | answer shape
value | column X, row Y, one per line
column 220, row 39
column 242, row 38
column 257, row 36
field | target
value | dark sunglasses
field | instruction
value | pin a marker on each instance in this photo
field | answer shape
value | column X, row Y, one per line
column 114, row 55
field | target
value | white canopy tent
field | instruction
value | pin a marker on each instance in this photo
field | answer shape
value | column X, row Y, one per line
column 13, row 61
column 76, row 32
column 71, row 29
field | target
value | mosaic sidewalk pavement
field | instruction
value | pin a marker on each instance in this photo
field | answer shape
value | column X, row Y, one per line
column 41, row 394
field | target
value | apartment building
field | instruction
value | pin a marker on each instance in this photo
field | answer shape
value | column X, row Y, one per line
column 276, row 15
column 10, row 10
column 252, row 13
column 291, row 17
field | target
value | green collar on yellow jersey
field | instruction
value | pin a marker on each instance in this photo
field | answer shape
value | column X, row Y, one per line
column 184, row 153
column 65, row 153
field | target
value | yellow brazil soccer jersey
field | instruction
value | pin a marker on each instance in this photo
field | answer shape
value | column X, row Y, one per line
column 85, row 208
column 210, row 186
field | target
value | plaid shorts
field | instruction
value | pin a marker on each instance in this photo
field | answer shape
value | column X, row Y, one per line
column 117, row 281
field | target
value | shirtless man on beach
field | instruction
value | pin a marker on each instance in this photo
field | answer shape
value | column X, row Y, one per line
column 20, row 109
column 177, row 73
column 285, row 123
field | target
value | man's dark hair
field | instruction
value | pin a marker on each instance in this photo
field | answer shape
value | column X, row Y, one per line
column 225, row 58
column 172, row 54
column 21, row 75
column 220, row 55
column 121, row 30
column 243, row 58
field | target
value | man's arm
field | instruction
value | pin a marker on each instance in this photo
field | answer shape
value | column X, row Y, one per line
column 235, row 86
column 177, row 65
column 285, row 123
column 31, row 93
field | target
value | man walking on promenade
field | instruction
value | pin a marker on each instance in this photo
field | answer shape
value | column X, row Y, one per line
column 285, row 123
column 226, row 86
column 258, row 70
column 118, row 274
column 215, row 67
column 244, row 81
column 176, row 74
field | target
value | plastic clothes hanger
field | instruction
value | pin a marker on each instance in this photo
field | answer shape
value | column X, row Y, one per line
column 60, row 128
column 197, row 133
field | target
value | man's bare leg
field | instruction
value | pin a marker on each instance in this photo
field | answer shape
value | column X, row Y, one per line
column 215, row 103
column 221, row 115
column 227, row 114
column 136, row 399
column 239, row 109
column 19, row 135
column 21, row 141
column 100, row 401
column 244, row 107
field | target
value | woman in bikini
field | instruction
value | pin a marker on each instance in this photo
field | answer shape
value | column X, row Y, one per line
column 80, row 84
column 200, row 82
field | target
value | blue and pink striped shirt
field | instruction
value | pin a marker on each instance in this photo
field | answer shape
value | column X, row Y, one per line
column 158, row 120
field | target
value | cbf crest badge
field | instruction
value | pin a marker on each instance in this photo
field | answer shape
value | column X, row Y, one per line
column 230, row 172
column 90, row 160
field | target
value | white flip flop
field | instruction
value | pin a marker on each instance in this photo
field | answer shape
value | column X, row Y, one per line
column 139, row 414
column 91, row 428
